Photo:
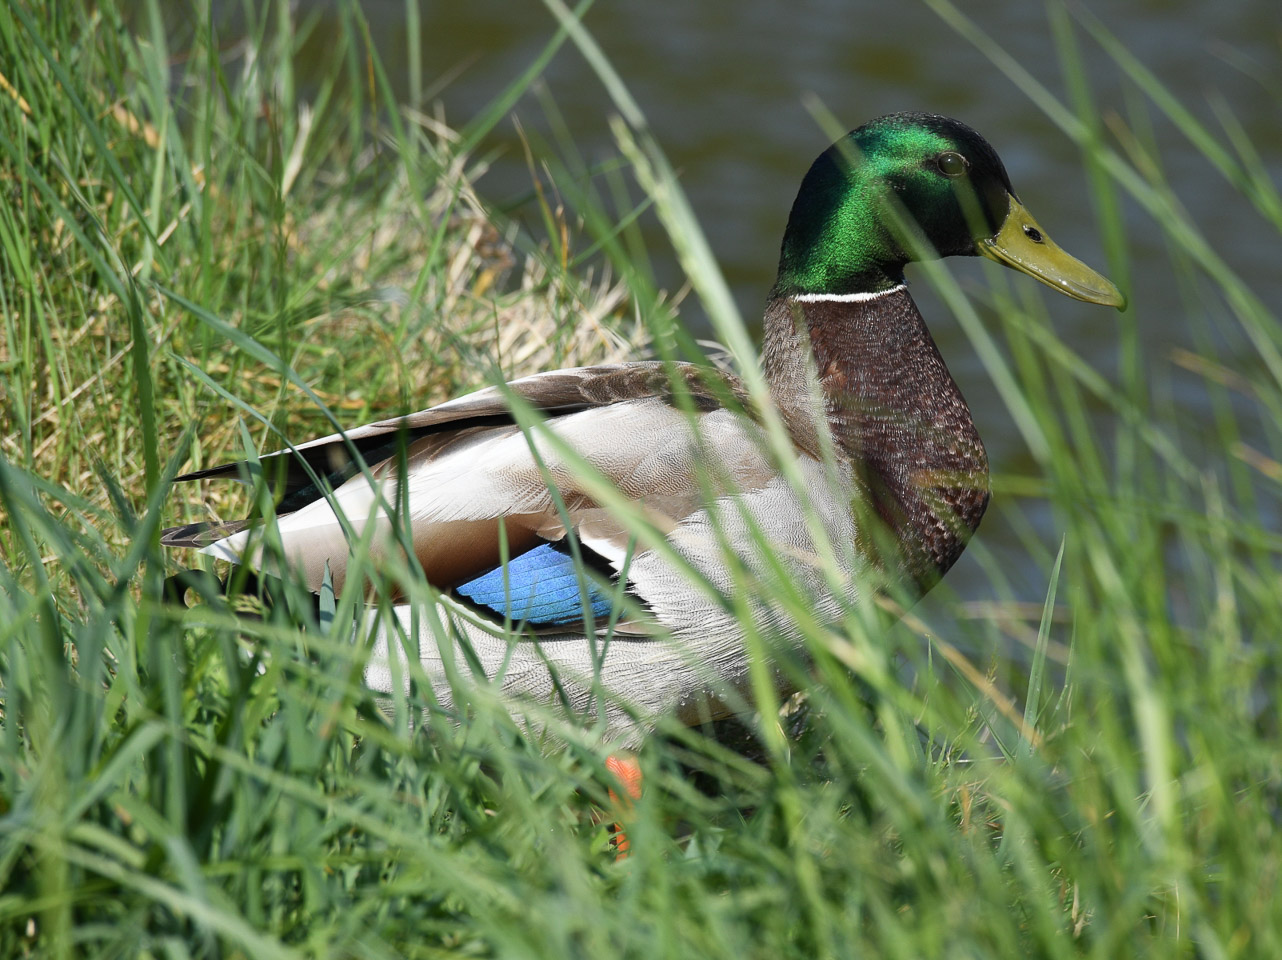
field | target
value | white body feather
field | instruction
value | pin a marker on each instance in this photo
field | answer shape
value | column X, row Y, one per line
column 691, row 655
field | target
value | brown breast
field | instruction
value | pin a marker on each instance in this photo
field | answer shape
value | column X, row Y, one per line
column 894, row 412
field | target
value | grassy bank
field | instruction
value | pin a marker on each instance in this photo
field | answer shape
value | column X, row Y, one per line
column 194, row 263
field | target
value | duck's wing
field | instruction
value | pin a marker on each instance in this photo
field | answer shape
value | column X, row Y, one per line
column 553, row 394
column 476, row 486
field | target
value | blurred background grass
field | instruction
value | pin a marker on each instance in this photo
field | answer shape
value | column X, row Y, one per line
column 1070, row 750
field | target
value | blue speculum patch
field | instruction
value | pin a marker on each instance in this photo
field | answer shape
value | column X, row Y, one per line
column 541, row 587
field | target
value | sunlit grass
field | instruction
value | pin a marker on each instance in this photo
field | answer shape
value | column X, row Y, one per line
column 194, row 266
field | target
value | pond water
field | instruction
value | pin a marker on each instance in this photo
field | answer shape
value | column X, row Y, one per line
column 723, row 86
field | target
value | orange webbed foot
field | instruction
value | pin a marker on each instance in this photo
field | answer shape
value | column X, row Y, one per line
column 627, row 771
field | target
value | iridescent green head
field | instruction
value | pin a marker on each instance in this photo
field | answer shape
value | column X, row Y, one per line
column 907, row 187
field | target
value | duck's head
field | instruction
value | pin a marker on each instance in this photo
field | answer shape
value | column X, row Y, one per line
column 911, row 187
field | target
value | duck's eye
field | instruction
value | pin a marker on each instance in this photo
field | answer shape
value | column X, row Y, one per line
column 952, row 164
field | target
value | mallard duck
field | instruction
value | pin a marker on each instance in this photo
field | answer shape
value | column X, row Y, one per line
column 851, row 369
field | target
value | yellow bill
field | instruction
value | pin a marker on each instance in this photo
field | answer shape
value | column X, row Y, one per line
column 1023, row 245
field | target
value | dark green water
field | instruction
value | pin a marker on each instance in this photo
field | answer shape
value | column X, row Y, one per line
column 723, row 85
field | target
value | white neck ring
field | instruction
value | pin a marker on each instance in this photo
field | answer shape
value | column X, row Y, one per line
column 848, row 297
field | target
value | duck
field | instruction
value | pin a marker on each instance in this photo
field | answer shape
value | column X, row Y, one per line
column 550, row 597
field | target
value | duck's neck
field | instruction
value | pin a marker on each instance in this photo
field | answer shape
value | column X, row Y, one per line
column 893, row 410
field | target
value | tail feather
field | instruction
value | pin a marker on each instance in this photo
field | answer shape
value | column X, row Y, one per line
column 199, row 535
column 230, row 471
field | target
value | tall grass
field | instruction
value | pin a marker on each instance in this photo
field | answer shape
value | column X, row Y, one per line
column 194, row 265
